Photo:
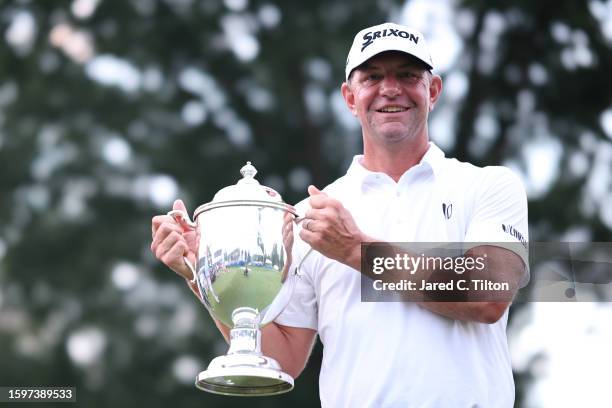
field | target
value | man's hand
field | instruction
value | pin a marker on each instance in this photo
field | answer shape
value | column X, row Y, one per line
column 171, row 242
column 330, row 229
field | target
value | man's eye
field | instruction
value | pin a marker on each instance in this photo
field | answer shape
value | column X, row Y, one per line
column 373, row 77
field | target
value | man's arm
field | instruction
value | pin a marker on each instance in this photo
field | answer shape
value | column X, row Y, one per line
column 330, row 229
column 503, row 266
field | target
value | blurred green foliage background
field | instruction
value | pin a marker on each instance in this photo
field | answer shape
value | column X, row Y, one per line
column 109, row 110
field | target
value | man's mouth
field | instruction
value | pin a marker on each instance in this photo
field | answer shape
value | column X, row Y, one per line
column 392, row 109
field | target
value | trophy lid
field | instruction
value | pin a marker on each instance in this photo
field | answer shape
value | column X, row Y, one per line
column 247, row 191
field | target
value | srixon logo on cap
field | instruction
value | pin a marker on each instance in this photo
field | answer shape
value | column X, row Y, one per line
column 387, row 32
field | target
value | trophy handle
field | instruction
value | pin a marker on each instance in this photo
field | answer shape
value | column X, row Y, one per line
column 182, row 218
column 298, row 220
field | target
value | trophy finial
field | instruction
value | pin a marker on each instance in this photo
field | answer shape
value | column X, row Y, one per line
column 248, row 171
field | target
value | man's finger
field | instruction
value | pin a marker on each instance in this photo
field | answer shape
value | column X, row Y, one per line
column 315, row 213
column 179, row 205
column 312, row 190
column 163, row 245
column 175, row 261
column 306, row 223
column 315, row 225
column 318, row 201
column 307, row 236
column 158, row 220
column 164, row 231
column 184, row 222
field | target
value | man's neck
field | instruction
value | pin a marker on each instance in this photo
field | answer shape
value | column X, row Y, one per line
column 394, row 161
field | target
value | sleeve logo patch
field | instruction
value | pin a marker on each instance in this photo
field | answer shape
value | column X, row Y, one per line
column 509, row 229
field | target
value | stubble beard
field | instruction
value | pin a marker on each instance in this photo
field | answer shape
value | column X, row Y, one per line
column 392, row 133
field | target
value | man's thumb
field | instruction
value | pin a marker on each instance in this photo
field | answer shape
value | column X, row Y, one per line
column 312, row 190
column 179, row 205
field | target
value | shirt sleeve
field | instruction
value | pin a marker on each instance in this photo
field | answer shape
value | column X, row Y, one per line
column 301, row 311
column 499, row 214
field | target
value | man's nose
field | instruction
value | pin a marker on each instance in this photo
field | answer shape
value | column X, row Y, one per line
column 390, row 86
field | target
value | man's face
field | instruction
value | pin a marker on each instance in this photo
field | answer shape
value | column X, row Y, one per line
column 391, row 94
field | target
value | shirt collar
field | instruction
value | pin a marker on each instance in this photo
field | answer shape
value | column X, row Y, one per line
column 431, row 161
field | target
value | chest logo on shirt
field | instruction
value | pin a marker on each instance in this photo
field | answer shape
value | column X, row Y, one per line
column 447, row 210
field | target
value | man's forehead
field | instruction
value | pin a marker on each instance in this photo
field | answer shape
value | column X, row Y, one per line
column 396, row 59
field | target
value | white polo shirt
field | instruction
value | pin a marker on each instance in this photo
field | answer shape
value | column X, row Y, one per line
column 398, row 354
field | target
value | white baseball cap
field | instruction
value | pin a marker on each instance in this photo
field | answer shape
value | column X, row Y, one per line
column 387, row 37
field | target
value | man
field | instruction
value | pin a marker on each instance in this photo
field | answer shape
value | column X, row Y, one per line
column 402, row 189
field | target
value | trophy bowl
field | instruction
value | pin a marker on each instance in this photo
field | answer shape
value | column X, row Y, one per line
column 245, row 237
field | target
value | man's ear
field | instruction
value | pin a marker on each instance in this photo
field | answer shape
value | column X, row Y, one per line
column 349, row 97
column 435, row 89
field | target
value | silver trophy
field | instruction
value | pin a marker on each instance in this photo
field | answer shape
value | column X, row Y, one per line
column 245, row 236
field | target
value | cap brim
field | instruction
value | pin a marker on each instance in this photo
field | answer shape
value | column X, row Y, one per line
column 364, row 60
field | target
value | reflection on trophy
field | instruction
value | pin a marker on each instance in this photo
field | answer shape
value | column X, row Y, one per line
column 245, row 237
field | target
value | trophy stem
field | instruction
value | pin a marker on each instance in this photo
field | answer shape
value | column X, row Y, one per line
column 244, row 371
column 245, row 337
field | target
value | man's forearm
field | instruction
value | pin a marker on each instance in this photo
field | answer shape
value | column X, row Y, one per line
column 482, row 312
column 456, row 303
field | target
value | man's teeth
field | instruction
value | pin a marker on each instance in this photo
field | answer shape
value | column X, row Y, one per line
column 391, row 109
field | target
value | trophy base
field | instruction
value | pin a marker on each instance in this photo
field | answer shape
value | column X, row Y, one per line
column 244, row 376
